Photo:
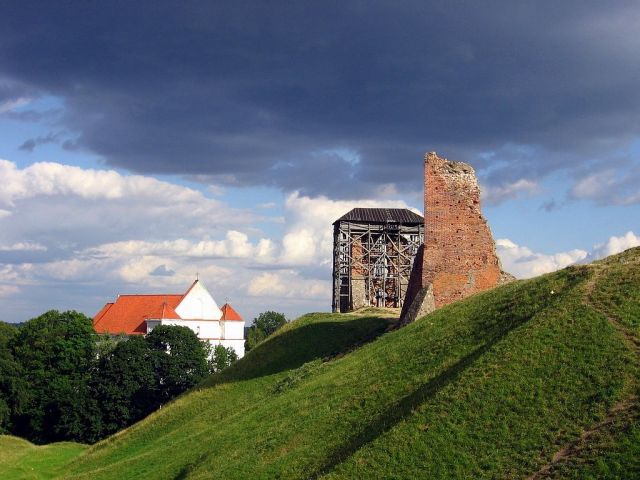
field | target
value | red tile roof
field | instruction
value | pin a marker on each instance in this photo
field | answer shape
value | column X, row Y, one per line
column 129, row 313
column 102, row 312
column 229, row 313
column 164, row 311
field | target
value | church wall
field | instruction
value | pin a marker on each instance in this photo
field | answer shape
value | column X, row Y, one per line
column 199, row 304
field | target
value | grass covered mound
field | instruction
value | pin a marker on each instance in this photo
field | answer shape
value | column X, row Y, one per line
column 537, row 379
column 20, row 459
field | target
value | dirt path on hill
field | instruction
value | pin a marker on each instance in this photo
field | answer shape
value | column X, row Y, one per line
column 628, row 336
column 625, row 409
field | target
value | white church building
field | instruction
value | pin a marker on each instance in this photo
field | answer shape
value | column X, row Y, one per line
column 196, row 309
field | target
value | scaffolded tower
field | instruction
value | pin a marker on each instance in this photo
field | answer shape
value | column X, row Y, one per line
column 373, row 253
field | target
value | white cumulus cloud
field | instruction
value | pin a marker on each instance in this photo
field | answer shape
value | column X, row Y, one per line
column 49, row 179
column 23, row 246
column 308, row 238
column 609, row 187
column 76, row 237
column 8, row 290
column 235, row 245
column 288, row 284
column 506, row 191
column 615, row 245
column 523, row 262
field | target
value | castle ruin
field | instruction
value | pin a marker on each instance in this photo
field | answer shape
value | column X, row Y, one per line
column 373, row 255
column 458, row 257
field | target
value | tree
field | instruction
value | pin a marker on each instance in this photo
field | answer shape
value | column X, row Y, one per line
column 7, row 332
column 180, row 359
column 269, row 322
column 61, row 381
column 222, row 358
column 254, row 337
column 263, row 326
column 106, row 343
column 125, row 385
column 11, row 386
column 135, row 376
column 56, row 355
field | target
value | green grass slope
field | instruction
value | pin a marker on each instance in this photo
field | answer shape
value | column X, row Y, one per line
column 611, row 447
column 535, row 379
column 20, row 459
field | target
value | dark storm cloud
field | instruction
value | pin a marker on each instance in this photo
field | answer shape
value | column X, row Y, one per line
column 30, row 144
column 259, row 93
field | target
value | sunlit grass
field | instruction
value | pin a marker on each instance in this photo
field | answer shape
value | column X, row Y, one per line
column 20, row 459
column 490, row 387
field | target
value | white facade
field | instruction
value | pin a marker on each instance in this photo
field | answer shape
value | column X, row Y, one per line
column 233, row 336
column 217, row 332
column 198, row 304
column 199, row 311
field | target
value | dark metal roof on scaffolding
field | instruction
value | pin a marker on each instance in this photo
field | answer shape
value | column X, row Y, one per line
column 381, row 215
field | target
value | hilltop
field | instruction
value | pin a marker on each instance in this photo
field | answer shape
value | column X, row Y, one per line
column 534, row 379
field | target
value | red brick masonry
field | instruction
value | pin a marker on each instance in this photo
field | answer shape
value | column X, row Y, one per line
column 459, row 256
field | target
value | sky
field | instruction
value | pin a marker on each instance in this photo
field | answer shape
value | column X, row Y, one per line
column 143, row 144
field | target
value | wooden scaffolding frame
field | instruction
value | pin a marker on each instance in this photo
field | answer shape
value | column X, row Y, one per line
column 383, row 257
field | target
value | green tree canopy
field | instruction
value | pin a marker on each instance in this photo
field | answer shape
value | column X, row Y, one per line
column 269, row 322
column 56, row 354
column 222, row 358
column 180, row 359
column 125, row 384
column 263, row 326
column 11, row 386
column 59, row 380
column 7, row 332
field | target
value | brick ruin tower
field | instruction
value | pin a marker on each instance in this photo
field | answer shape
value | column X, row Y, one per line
column 458, row 257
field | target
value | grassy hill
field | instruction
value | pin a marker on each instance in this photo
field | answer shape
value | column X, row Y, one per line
column 535, row 379
column 21, row 459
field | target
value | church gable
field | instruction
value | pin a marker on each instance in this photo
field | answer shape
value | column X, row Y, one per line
column 198, row 304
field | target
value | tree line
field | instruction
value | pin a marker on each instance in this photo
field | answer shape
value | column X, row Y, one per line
column 264, row 325
column 59, row 380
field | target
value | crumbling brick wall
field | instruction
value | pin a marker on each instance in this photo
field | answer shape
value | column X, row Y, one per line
column 459, row 257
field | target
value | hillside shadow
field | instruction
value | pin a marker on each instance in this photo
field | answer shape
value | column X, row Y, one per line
column 515, row 304
column 509, row 309
column 391, row 416
column 292, row 348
